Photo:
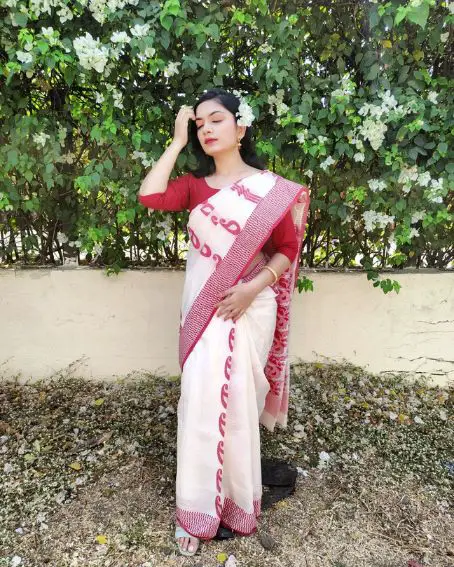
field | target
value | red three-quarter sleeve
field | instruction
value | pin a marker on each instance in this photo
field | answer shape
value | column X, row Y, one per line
column 284, row 237
column 176, row 197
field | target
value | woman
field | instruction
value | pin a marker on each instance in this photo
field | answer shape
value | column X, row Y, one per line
column 245, row 227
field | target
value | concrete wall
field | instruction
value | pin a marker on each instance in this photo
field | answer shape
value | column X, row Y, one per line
column 111, row 326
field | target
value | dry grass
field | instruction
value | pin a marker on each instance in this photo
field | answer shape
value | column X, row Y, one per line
column 87, row 459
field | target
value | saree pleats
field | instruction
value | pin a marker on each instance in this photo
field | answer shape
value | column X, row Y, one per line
column 223, row 393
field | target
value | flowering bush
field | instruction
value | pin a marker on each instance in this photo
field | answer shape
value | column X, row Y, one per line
column 361, row 113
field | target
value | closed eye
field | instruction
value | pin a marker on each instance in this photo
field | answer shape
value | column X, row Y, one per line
column 215, row 121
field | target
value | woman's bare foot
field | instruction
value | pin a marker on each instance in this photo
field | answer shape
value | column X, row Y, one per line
column 190, row 544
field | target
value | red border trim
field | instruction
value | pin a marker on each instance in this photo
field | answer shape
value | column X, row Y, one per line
column 260, row 220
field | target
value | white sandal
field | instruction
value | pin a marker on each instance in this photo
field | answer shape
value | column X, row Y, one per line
column 181, row 532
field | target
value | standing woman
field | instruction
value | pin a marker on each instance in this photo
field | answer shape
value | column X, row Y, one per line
column 246, row 226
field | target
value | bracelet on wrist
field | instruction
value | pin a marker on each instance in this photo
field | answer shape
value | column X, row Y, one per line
column 273, row 272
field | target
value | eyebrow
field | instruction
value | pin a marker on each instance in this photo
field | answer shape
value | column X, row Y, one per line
column 210, row 114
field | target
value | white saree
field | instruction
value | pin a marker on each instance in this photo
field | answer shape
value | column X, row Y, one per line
column 233, row 374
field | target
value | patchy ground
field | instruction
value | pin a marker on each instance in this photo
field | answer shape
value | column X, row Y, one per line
column 88, row 474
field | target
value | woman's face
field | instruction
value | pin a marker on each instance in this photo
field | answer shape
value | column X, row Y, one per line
column 214, row 122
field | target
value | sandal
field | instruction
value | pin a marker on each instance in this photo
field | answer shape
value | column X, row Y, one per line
column 181, row 532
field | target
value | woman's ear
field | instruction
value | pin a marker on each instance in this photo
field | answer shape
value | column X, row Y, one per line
column 241, row 131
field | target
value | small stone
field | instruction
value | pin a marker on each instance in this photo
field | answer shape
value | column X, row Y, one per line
column 450, row 551
column 267, row 541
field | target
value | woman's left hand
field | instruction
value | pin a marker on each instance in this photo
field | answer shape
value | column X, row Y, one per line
column 236, row 300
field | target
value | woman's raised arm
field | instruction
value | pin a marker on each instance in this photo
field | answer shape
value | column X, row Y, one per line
column 157, row 178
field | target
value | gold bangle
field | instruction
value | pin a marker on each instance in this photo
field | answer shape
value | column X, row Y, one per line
column 273, row 272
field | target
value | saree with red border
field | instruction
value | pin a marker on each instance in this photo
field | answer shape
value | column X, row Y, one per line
column 234, row 374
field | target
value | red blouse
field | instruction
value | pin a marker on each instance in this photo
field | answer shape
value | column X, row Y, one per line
column 187, row 191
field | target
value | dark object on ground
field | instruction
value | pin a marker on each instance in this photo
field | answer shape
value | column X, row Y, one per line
column 224, row 533
column 278, row 480
column 266, row 540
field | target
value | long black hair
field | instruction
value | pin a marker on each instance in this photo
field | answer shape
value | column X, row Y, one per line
column 205, row 163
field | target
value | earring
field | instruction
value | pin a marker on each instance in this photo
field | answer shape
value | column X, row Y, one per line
column 239, row 142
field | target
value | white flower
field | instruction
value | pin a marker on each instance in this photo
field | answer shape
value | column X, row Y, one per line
column 67, row 158
column 40, row 139
column 328, row 161
column 245, row 114
column 149, row 52
column 443, row 415
column 24, row 57
column 62, row 238
column 265, row 48
column 8, row 468
column 146, row 162
column 418, row 420
column 301, row 136
column 359, row 156
column 450, row 6
column 97, row 250
column 413, row 232
column 372, row 219
column 118, row 99
column 376, row 185
column 435, row 192
column 62, row 131
column 99, row 98
column 15, row 561
column 322, row 139
column 407, row 176
column 424, row 179
column 393, row 416
column 432, row 97
column 324, row 459
column 171, row 69
column 309, row 173
column 140, row 30
column 374, row 131
column 65, row 14
column 120, row 37
column 91, row 54
column 444, row 37
column 437, row 184
column 389, row 100
column 417, row 216
column 277, row 100
column 47, row 32
column 347, row 88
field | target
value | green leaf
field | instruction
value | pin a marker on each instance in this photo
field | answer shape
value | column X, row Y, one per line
column 166, row 21
column 400, row 15
column 419, row 15
column 20, row 19
column 69, row 73
column 136, row 139
column 374, row 17
column 43, row 46
column 442, row 148
column 13, row 157
column 108, row 164
column 373, row 72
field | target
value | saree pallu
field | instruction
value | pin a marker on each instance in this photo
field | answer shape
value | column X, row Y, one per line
column 233, row 374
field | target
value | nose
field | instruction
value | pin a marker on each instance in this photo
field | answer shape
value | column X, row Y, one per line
column 206, row 129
